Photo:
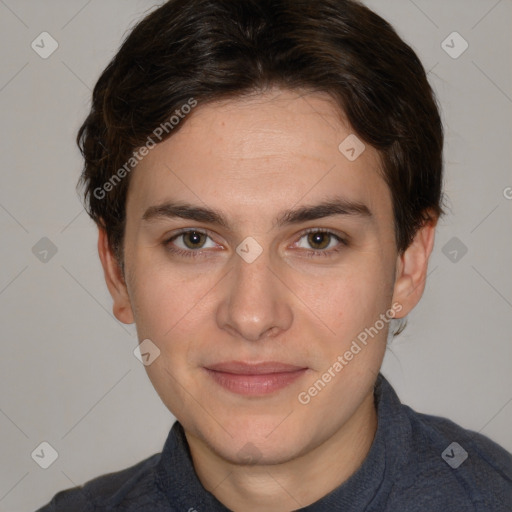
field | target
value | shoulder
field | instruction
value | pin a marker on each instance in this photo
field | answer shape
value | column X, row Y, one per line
column 465, row 467
column 128, row 489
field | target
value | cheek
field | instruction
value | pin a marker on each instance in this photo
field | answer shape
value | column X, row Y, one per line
column 169, row 311
column 163, row 296
column 350, row 298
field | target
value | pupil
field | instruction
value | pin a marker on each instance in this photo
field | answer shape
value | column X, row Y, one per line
column 193, row 239
column 316, row 239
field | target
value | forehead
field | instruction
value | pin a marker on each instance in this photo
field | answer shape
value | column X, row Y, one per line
column 259, row 154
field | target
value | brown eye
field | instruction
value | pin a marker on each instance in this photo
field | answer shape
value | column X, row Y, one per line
column 319, row 240
column 194, row 239
column 190, row 242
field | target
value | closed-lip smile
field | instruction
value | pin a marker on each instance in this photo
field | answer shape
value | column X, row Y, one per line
column 255, row 379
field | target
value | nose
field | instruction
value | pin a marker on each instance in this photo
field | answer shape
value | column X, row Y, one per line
column 254, row 303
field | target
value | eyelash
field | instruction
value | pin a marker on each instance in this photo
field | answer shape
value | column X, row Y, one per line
column 309, row 254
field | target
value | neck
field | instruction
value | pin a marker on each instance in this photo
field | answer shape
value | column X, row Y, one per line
column 281, row 487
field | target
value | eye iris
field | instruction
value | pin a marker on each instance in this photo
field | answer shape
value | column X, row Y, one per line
column 318, row 239
column 193, row 239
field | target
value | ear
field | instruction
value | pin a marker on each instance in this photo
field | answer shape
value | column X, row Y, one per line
column 411, row 269
column 121, row 308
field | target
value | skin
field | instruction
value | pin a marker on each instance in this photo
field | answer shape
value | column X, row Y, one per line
column 252, row 158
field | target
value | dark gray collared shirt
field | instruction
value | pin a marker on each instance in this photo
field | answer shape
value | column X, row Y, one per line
column 417, row 463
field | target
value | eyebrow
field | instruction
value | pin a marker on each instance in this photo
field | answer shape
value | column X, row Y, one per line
column 328, row 208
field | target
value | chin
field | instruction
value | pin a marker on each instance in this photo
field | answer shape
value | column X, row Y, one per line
column 263, row 453
column 259, row 441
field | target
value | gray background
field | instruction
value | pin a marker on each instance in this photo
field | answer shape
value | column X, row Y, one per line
column 67, row 372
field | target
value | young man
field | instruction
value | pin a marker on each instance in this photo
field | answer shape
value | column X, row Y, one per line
column 266, row 179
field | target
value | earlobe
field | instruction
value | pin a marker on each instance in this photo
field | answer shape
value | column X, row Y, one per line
column 412, row 268
column 114, row 279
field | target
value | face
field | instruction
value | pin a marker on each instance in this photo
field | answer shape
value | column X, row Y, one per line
column 256, row 255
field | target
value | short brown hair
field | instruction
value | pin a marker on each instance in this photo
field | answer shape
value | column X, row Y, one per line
column 219, row 49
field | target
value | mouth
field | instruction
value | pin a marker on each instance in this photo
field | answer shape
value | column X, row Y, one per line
column 254, row 379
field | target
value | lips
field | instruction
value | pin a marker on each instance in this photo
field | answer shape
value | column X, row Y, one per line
column 242, row 368
column 254, row 379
